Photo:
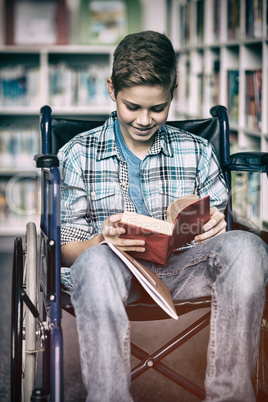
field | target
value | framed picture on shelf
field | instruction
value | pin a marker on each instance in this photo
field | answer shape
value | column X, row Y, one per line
column 35, row 22
column 32, row 22
column 108, row 21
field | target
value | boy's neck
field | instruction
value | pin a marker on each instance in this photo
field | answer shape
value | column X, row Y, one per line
column 140, row 150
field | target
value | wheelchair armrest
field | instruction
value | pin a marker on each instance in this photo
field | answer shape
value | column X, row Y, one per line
column 249, row 162
column 46, row 161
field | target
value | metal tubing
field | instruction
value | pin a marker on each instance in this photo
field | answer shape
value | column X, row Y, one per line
column 56, row 365
column 169, row 347
column 45, row 125
column 154, row 360
column 56, row 331
column 181, row 380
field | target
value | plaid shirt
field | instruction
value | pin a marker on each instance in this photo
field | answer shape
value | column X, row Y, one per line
column 94, row 177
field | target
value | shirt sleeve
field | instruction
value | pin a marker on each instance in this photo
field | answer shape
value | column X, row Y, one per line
column 210, row 179
column 74, row 200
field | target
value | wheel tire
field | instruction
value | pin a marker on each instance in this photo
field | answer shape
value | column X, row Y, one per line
column 16, row 322
column 30, row 321
column 23, row 327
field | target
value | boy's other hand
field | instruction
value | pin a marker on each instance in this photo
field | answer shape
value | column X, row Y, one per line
column 111, row 231
column 215, row 226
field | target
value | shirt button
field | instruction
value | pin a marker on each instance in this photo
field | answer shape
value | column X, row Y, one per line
column 93, row 193
column 124, row 183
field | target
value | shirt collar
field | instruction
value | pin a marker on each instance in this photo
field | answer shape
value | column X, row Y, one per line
column 107, row 145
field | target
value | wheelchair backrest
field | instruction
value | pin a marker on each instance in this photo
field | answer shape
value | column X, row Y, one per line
column 58, row 131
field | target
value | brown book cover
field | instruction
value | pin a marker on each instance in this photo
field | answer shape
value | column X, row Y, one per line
column 186, row 217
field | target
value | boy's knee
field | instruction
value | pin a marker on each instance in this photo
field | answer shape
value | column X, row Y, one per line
column 246, row 245
column 246, row 255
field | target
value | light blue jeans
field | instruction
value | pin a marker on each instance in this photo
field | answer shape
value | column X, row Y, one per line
column 232, row 268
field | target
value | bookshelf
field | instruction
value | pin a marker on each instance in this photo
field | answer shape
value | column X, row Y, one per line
column 56, row 52
column 222, row 48
column 69, row 78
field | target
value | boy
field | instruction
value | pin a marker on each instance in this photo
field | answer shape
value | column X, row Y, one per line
column 135, row 162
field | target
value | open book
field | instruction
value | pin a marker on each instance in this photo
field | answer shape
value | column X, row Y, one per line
column 154, row 286
column 186, row 217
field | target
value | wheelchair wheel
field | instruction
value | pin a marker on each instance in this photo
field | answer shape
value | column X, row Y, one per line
column 23, row 359
column 261, row 374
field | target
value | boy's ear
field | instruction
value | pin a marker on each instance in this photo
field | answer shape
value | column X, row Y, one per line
column 110, row 89
column 174, row 91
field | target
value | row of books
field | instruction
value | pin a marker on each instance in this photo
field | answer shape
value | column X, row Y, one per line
column 253, row 105
column 204, row 85
column 193, row 16
column 191, row 19
column 254, row 10
column 19, row 198
column 234, row 29
column 233, row 95
column 18, row 145
column 246, row 196
column 78, row 85
column 253, row 98
column 19, row 85
column 64, row 22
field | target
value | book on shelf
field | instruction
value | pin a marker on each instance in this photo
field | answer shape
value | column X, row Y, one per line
column 215, row 83
column 233, row 19
column 19, row 85
column 233, row 95
column 254, row 18
column 216, row 19
column 200, row 21
column 253, row 103
column 185, row 24
column 185, row 218
column 78, row 85
column 17, row 146
column 153, row 285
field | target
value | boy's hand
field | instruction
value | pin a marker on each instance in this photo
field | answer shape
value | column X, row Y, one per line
column 215, row 226
column 111, row 232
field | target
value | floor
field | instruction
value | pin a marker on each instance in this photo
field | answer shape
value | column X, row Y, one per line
column 191, row 358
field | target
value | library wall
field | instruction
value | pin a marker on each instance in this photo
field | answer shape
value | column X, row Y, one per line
column 59, row 52
column 223, row 59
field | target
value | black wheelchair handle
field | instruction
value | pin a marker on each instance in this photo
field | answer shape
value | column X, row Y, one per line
column 249, row 162
column 46, row 161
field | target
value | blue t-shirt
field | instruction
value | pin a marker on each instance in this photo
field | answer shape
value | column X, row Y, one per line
column 134, row 167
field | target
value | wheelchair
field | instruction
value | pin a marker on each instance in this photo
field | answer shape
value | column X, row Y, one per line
column 37, row 297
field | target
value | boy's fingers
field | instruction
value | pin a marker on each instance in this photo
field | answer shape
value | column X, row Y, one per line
column 217, row 218
column 214, row 231
column 114, row 218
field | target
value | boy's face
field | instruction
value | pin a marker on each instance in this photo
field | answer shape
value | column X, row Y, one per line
column 141, row 111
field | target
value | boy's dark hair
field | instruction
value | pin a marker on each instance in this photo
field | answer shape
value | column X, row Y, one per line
column 144, row 58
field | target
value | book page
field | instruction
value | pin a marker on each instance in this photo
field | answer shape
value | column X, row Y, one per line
column 176, row 206
column 154, row 286
column 146, row 224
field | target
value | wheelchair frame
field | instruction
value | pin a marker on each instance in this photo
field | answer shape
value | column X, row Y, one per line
column 36, row 322
column 47, row 311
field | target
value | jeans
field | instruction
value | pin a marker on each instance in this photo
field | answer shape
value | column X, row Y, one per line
column 232, row 268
